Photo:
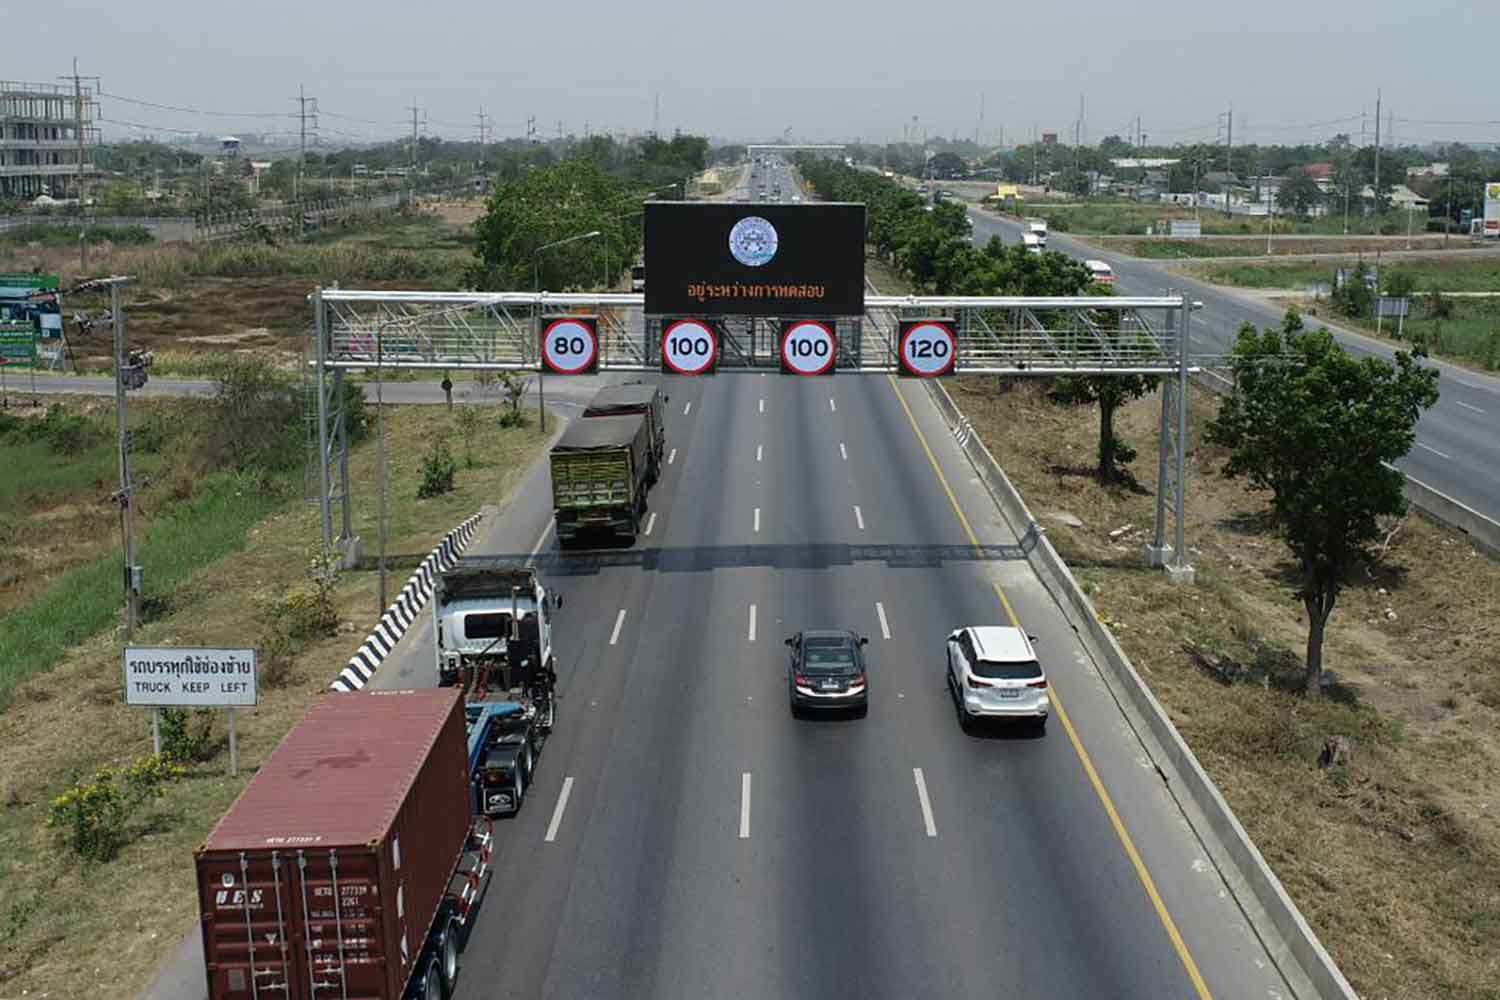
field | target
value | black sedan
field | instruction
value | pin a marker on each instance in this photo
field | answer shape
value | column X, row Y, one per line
column 827, row 671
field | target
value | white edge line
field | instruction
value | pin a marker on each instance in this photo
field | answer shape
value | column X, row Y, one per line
column 557, row 812
column 885, row 626
column 540, row 542
column 619, row 620
column 672, row 457
column 650, row 522
column 859, row 518
column 745, row 806
column 751, row 635
column 1468, row 406
column 922, row 799
column 1439, row 454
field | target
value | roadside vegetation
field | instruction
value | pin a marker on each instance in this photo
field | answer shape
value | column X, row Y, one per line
column 1115, row 218
column 1375, row 804
column 96, row 834
column 1255, row 246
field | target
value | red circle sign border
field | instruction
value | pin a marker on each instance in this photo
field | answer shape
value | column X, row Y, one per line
column 832, row 354
column 952, row 350
column 697, row 324
column 593, row 340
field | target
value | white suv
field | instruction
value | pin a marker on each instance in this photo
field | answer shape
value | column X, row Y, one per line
column 993, row 672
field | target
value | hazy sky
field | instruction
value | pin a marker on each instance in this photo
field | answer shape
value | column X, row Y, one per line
column 826, row 69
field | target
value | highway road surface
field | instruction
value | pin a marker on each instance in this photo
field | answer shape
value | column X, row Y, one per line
column 687, row 838
column 1458, row 441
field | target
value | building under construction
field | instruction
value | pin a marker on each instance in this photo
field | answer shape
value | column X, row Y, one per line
column 40, row 125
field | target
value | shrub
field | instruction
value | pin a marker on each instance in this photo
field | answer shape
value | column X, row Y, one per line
column 66, row 432
column 1399, row 284
column 438, row 470
column 186, row 734
column 514, row 386
column 468, row 419
column 94, row 814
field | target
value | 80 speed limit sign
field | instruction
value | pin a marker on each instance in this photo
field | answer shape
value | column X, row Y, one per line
column 808, row 348
column 689, row 347
column 570, row 346
column 928, row 347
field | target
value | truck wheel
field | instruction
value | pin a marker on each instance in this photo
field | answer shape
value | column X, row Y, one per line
column 518, row 789
column 450, row 956
column 432, row 986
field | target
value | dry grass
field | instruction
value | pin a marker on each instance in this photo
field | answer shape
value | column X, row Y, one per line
column 1392, row 859
column 69, row 930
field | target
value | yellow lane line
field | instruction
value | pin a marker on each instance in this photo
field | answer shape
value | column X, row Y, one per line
column 1139, row 864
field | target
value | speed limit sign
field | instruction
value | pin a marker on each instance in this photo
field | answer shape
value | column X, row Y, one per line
column 928, row 347
column 808, row 348
column 570, row 346
column 689, row 347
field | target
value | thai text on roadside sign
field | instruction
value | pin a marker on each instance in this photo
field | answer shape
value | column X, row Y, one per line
column 570, row 345
column 1492, row 208
column 195, row 676
column 928, row 347
column 17, row 343
column 728, row 259
column 808, row 347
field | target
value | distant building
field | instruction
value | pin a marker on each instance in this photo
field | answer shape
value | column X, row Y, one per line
column 1049, row 138
column 39, row 152
column 1402, row 198
column 1142, row 163
column 1431, row 170
column 229, row 147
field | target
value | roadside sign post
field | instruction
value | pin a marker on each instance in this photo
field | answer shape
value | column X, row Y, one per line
column 192, row 677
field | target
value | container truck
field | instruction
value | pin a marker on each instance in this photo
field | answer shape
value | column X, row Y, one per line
column 601, row 470
column 351, row 863
column 492, row 631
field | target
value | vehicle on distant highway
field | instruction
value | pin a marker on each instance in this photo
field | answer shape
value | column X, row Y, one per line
column 993, row 673
column 827, row 671
column 1038, row 228
column 1100, row 271
column 638, row 278
column 1031, row 242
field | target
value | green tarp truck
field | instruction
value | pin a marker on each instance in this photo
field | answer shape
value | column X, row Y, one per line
column 601, row 469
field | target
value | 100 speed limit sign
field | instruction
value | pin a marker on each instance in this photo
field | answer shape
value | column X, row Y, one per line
column 570, row 346
column 928, row 347
column 808, row 348
column 689, row 347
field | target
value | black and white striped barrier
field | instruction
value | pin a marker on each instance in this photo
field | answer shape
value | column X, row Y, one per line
column 404, row 610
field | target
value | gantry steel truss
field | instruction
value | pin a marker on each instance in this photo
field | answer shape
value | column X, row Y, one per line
column 997, row 335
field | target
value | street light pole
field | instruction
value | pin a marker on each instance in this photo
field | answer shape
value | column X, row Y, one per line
column 536, row 313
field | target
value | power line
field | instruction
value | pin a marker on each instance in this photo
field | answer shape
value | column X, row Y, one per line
column 197, row 111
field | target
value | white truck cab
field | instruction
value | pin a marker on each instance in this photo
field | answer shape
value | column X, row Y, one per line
column 491, row 619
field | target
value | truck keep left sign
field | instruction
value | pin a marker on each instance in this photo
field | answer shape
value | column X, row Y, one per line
column 189, row 676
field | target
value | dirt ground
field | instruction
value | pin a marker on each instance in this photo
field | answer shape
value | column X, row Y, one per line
column 1392, row 858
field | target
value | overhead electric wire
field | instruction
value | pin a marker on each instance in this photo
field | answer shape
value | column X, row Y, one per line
column 199, row 111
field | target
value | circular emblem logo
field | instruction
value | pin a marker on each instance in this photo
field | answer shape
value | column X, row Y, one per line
column 753, row 241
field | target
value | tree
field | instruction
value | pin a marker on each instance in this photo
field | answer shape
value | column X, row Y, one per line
column 947, row 166
column 1299, row 193
column 121, row 197
column 1317, row 427
column 1108, row 392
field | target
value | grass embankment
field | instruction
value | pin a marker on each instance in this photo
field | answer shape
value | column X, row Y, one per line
column 1253, row 246
column 1453, row 275
column 38, row 234
column 1133, row 219
column 1392, row 859
column 73, row 930
column 194, row 304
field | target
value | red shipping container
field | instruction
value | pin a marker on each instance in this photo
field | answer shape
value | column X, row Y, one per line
column 324, row 877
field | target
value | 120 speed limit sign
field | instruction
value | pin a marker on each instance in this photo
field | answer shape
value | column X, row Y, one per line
column 808, row 348
column 570, row 346
column 928, row 347
column 689, row 347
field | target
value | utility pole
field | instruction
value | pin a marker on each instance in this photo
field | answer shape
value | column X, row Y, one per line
column 1448, row 210
column 80, row 123
column 1378, row 212
column 559, row 130
column 482, row 128
column 302, row 115
column 412, row 160
column 656, row 116
column 531, row 129
column 1229, row 151
column 126, row 496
